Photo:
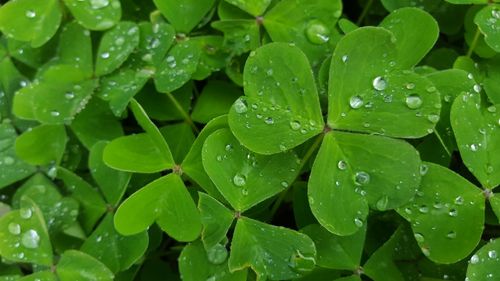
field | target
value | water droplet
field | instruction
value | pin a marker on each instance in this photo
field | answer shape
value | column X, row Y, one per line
column 30, row 239
column 239, row 180
column 431, row 89
column 269, row 72
column 345, row 58
column 419, row 237
column 410, row 86
column 425, row 251
column 361, row 178
column 301, row 263
column 492, row 109
column 119, row 41
column 55, row 113
column 240, row 106
column 423, row 209
column 244, row 191
column 477, row 88
column 69, row 95
column 451, row 235
column 459, row 200
column 379, row 83
column 217, row 254
column 229, row 147
column 356, row 102
column 423, row 169
column 474, row 147
column 284, row 184
column 453, row 212
column 342, row 165
column 269, row 120
column 492, row 254
column 98, row 4
column 295, row 125
column 25, row 213
column 434, row 118
column 358, row 222
column 14, row 228
column 7, row 160
column 474, row 259
column 105, row 55
column 317, row 32
column 470, row 76
column 413, row 101
column 382, row 203
column 30, row 14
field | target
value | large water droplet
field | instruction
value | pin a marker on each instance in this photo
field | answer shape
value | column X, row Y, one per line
column 30, row 239
column 317, row 32
column 25, row 213
column 30, row 14
column 105, row 55
column 379, row 83
column 239, row 180
column 361, row 178
column 356, row 102
column 474, row 259
column 217, row 254
column 14, row 228
column 413, row 101
column 240, row 106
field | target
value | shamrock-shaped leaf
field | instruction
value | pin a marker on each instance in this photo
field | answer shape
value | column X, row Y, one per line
column 242, row 177
column 446, row 200
column 354, row 171
column 24, row 236
column 184, row 14
column 117, row 252
column 280, row 100
column 75, row 48
column 42, row 145
column 197, row 264
column 13, row 168
column 475, row 125
column 76, row 265
column 95, row 14
column 166, row 201
column 31, row 20
column 274, row 253
column 488, row 21
column 484, row 264
column 368, row 89
column 216, row 220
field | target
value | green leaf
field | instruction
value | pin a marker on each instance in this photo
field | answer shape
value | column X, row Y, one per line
column 427, row 5
column 155, row 41
column 484, row 264
column 96, row 123
column 75, row 48
column 59, row 212
column 42, row 145
column 213, row 55
column 449, row 201
column 216, row 220
column 166, row 201
column 476, row 130
column 411, row 46
column 281, row 101
column 195, row 264
column 370, row 100
column 56, row 97
column 95, row 14
column 112, row 183
column 336, row 252
column 380, row 266
column 192, row 165
column 467, row 1
column 240, row 36
column 180, row 138
column 184, row 15
column 487, row 20
column 242, row 177
column 308, row 24
column 473, row 36
column 491, row 87
column 12, row 167
column 274, row 253
column 353, row 171
column 349, row 278
column 135, row 153
column 215, row 100
column 24, row 237
column 177, row 68
column 30, row 20
column 76, row 265
column 41, row 275
column 117, row 252
column 116, row 46
column 255, row 8
column 495, row 205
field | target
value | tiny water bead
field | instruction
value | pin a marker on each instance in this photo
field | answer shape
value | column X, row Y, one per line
column 379, row 83
column 356, row 102
column 69, row 95
column 477, row 88
column 434, row 118
column 342, row 165
column 30, row 239
column 105, row 55
column 453, row 213
column 240, row 106
column 295, row 125
column 317, row 33
column 358, row 222
column 361, row 178
column 474, row 259
column 419, row 237
column 239, row 180
column 345, row 58
column 413, row 101
column 492, row 254
column 451, row 235
column 269, row 120
column 7, row 160
column 99, row 4
column 14, row 228
column 30, row 14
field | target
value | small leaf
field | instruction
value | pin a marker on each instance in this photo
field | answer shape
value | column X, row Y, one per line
column 75, row 48
column 353, row 171
column 111, row 182
column 488, row 21
column 240, row 36
column 484, row 264
column 116, row 46
column 166, row 201
column 255, row 8
column 24, row 237
column 380, row 266
column 245, row 178
column 337, row 252
column 95, row 14
column 76, row 265
column 30, row 20
column 216, row 220
column 281, row 101
column 446, row 200
column 117, row 252
column 195, row 264
column 476, row 130
column 274, row 253
column 42, row 145
column 215, row 100
column 184, row 15
column 180, row 138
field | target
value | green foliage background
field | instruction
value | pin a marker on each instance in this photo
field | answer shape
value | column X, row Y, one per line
column 232, row 140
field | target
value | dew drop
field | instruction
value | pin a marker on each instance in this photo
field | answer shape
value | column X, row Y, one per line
column 284, row 184
column 30, row 239
column 492, row 109
column 453, row 212
column 382, row 203
column 317, row 33
column 451, row 235
column 342, row 165
column 30, row 14
column 492, row 254
column 423, row 209
column 474, row 259
column 119, row 41
column 477, row 88
column 379, row 83
column 410, row 86
column 7, row 160
column 25, row 213
column 217, row 254
column 301, row 263
column 434, row 118
column 99, row 4
column 240, row 106
column 423, row 169
column 474, row 147
column 358, row 222
column 239, row 180
column 105, row 55
column 413, row 101
column 345, row 58
column 361, row 178
column 419, row 237
column 295, row 125
column 69, row 95
column 356, row 102
column 14, row 228
column 229, row 147
column 269, row 120
column 459, row 200
column 55, row 113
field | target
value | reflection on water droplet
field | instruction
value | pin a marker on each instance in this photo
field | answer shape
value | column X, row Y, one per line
column 413, row 101
column 379, row 83
column 105, row 55
column 69, row 95
column 474, row 259
column 382, row 203
column 317, row 32
column 30, row 239
column 356, row 102
column 30, row 14
column 477, row 88
column 98, row 4
column 239, row 180
column 410, row 86
column 358, row 222
column 459, row 200
column 492, row 254
column 284, row 184
column 453, row 212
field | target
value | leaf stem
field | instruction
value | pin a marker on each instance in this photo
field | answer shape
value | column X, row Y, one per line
column 364, row 12
column 474, row 42
column 442, row 142
column 184, row 114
